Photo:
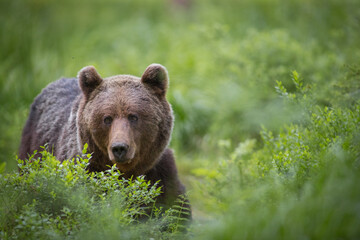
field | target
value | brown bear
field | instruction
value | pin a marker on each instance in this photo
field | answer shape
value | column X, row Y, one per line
column 125, row 120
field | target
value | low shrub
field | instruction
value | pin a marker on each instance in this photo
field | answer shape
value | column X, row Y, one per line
column 49, row 199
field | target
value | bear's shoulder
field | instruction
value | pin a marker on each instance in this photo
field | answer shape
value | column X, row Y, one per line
column 61, row 92
column 63, row 86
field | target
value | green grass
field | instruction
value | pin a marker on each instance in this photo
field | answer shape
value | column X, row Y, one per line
column 265, row 152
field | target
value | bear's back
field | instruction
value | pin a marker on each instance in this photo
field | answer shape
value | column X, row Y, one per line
column 49, row 112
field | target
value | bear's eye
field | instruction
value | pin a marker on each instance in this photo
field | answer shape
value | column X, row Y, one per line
column 132, row 118
column 108, row 120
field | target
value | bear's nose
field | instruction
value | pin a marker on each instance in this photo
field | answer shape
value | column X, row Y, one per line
column 119, row 150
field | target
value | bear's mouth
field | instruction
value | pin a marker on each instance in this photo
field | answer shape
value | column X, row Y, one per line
column 126, row 161
column 121, row 160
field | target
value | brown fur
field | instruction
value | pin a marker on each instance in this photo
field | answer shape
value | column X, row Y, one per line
column 125, row 120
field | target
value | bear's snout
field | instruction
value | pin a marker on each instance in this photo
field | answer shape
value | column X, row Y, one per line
column 120, row 150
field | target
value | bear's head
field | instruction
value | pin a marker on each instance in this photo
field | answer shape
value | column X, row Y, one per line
column 125, row 120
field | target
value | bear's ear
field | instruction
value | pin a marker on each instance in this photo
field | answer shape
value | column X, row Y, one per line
column 156, row 77
column 89, row 79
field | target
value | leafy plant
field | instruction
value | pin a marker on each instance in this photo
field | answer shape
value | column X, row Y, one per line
column 47, row 198
column 263, row 187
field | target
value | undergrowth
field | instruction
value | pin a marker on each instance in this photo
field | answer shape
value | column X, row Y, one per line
column 299, row 183
column 49, row 199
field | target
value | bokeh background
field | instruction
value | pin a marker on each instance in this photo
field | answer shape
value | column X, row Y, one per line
column 226, row 60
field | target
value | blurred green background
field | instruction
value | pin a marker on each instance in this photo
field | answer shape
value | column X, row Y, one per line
column 224, row 60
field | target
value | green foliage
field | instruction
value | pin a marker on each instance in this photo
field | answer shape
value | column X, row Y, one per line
column 325, row 207
column 52, row 199
column 300, row 182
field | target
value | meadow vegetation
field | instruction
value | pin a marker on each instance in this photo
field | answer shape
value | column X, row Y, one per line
column 266, row 100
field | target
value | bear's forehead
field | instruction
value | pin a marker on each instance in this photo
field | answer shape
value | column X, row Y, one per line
column 126, row 87
column 123, row 91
